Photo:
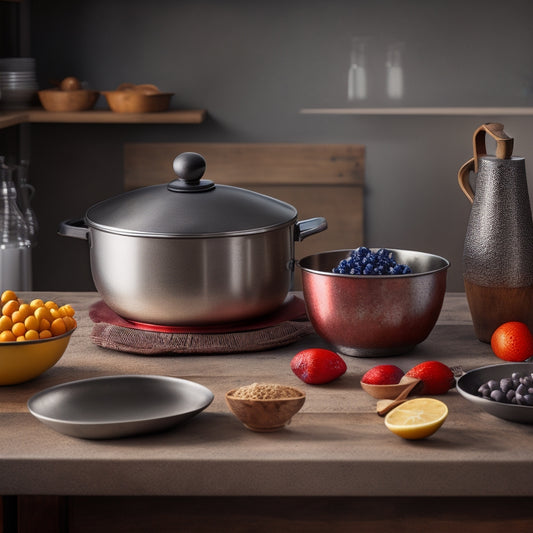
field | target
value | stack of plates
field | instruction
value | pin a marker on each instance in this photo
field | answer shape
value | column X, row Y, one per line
column 18, row 85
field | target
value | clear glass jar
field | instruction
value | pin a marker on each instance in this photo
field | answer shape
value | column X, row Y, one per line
column 15, row 244
column 394, row 66
column 357, row 73
column 25, row 194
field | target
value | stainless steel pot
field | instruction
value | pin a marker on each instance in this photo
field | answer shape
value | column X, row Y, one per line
column 191, row 252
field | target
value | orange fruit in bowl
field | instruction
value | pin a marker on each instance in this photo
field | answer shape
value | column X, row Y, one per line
column 10, row 307
column 7, row 295
column 512, row 341
column 20, row 321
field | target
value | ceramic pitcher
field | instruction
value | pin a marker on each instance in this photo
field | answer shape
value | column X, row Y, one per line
column 498, row 248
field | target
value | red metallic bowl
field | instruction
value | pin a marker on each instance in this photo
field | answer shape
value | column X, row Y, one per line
column 371, row 316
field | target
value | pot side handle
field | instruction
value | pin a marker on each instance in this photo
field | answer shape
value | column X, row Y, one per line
column 74, row 228
column 308, row 227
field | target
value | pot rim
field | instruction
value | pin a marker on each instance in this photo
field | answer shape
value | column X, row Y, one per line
column 176, row 235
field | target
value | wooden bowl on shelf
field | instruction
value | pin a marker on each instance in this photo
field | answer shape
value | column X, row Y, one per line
column 145, row 98
column 58, row 100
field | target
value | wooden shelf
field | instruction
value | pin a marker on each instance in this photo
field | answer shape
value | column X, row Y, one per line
column 446, row 111
column 187, row 116
column 13, row 118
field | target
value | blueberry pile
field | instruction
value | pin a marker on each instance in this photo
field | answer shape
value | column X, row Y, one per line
column 517, row 389
column 364, row 261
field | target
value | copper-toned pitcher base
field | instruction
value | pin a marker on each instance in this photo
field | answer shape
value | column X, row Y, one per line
column 492, row 306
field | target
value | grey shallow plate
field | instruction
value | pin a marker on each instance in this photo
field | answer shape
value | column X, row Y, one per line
column 468, row 384
column 118, row 406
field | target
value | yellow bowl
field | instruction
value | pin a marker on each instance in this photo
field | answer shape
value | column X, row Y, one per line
column 25, row 360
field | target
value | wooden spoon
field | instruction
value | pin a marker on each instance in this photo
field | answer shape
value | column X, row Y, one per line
column 389, row 392
column 384, row 406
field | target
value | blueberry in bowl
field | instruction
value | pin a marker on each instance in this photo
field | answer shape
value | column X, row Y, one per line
column 370, row 302
column 363, row 261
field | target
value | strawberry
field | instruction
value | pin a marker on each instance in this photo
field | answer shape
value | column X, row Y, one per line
column 436, row 377
column 383, row 375
column 317, row 366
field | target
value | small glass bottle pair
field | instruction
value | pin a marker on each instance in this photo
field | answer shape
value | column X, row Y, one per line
column 358, row 73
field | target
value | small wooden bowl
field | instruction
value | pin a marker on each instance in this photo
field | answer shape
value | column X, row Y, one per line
column 58, row 100
column 132, row 101
column 265, row 415
column 388, row 392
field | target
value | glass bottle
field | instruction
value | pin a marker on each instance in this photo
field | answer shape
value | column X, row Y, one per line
column 357, row 74
column 394, row 68
column 25, row 193
column 15, row 245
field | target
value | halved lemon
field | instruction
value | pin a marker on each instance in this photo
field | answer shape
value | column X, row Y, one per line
column 417, row 419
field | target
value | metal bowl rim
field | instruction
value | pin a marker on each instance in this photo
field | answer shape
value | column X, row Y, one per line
column 445, row 266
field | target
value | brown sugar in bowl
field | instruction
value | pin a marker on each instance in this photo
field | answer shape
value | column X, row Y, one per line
column 265, row 407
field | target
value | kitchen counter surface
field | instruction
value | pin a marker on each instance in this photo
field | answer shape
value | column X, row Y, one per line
column 336, row 446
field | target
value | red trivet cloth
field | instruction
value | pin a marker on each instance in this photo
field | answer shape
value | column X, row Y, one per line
column 286, row 325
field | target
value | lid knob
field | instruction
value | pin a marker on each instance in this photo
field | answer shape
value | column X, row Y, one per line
column 189, row 167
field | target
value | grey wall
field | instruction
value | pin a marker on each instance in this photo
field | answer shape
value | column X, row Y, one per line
column 253, row 65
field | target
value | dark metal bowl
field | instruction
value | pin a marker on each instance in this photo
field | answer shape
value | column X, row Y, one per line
column 370, row 316
column 469, row 383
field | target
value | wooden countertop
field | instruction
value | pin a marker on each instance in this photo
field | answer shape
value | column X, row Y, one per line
column 335, row 446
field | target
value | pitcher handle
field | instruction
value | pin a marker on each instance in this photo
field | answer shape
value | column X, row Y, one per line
column 504, row 143
column 464, row 179
column 504, row 150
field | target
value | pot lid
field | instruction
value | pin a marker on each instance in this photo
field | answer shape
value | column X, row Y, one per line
column 189, row 206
